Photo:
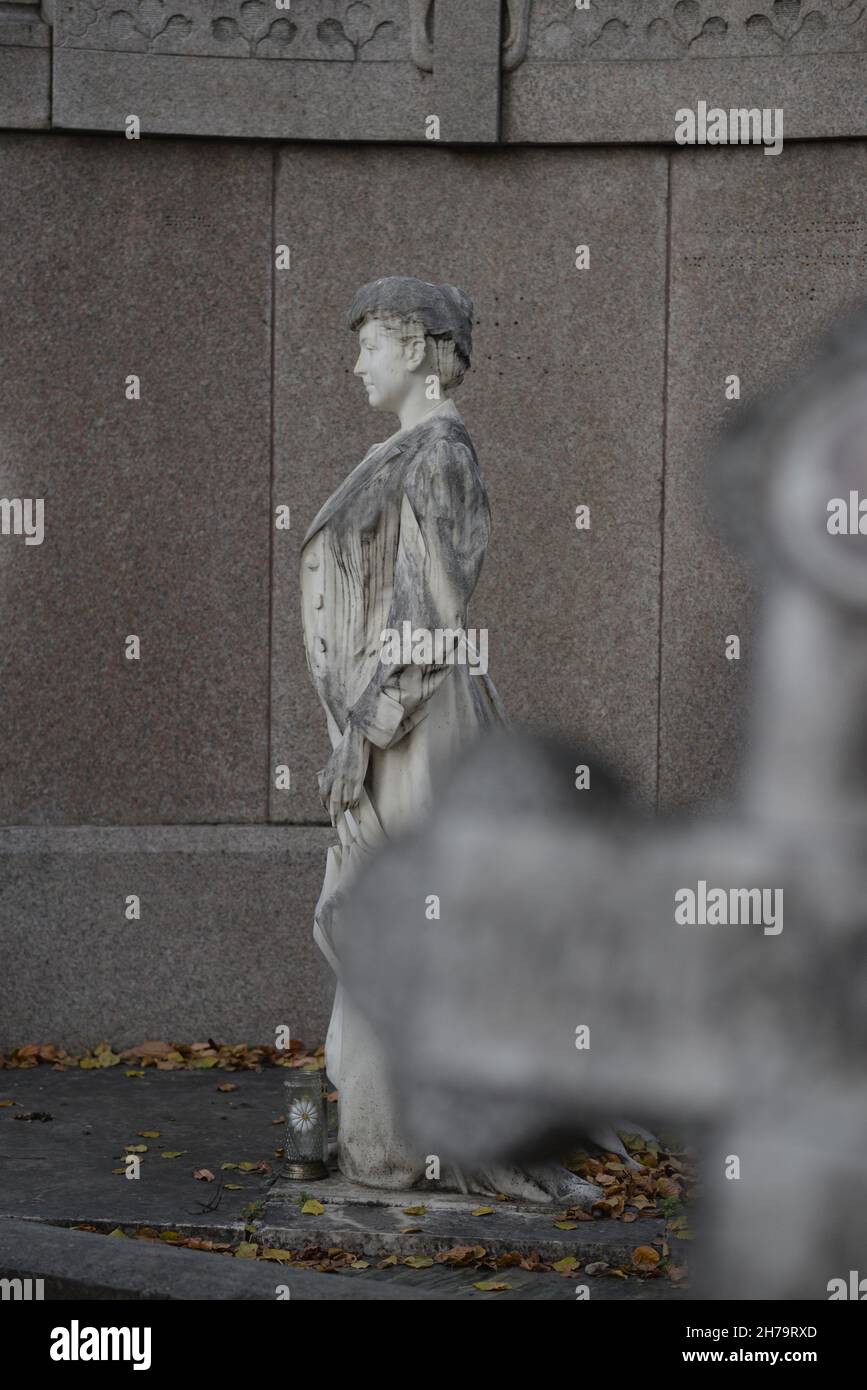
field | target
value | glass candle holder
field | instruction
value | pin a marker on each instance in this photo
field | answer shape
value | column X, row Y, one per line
column 306, row 1144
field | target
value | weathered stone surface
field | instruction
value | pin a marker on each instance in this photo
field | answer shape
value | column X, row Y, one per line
column 223, row 949
column 374, row 1220
column 764, row 253
column 25, row 68
column 564, row 403
column 466, row 88
column 156, row 510
column 621, row 68
column 83, row 1265
column 333, row 70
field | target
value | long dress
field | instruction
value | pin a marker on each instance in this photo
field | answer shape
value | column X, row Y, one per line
column 401, row 540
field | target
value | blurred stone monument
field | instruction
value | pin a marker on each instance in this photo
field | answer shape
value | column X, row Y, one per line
column 591, row 961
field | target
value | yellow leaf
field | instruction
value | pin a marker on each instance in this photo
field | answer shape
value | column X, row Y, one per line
column 173, row 1153
column 117, row 1232
column 482, row 1211
column 359, row 1264
column 489, row 1286
column 414, row 1211
column 148, row 1133
column 410, row 1230
column 174, row 1056
column 4, row 1103
column 170, row 1236
column 234, row 1187
column 566, row 1225
column 246, row 1251
column 135, row 1148
column 272, row 1253
column 565, row 1265
column 88, row 1063
column 247, row 1166
column 228, row 1165
column 419, row 1261
column 644, row 1257
column 133, row 1073
column 312, row 1208
column 389, row 1260
column 202, row 1063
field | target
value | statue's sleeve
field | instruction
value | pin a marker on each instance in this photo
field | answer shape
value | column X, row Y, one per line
column 444, row 529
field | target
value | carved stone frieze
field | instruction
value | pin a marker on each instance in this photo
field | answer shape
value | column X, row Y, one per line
column 336, row 30
column 620, row 30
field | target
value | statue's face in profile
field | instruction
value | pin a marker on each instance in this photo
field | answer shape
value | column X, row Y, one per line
column 385, row 365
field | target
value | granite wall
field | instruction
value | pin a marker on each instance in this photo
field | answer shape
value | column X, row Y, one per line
column 154, row 258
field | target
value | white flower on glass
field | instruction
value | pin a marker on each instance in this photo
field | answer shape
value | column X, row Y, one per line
column 303, row 1115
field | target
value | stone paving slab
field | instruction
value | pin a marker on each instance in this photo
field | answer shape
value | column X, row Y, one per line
column 81, row 1265
column 358, row 1218
column 57, row 1173
column 60, row 1170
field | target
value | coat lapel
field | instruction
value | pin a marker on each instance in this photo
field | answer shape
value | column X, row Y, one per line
column 370, row 465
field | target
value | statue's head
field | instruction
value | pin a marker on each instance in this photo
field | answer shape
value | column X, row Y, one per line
column 408, row 331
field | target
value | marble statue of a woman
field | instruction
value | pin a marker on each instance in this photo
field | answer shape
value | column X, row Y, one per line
column 400, row 541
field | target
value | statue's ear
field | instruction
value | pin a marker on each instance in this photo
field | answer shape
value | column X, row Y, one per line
column 416, row 350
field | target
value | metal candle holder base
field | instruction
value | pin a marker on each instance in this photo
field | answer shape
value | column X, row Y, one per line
column 308, row 1171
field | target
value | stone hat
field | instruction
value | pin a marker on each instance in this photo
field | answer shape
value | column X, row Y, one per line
column 444, row 310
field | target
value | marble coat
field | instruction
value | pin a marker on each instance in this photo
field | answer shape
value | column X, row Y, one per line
column 401, row 539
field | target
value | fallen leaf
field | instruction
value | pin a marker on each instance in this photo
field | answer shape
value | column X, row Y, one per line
column 171, row 1236
column 135, row 1148
column 117, row 1232
column 567, row 1265
column 204, row 1175
column 149, row 1133
column 414, row 1211
column 312, row 1207
column 482, row 1211
column 234, row 1187
column 4, row 1103
column 409, row 1230
column 597, row 1267
column 566, row 1225
column 490, row 1287
column 419, row 1261
column 173, row 1153
column 281, row 1256
column 133, row 1073
column 359, row 1264
column 228, row 1086
column 645, row 1257
column 246, row 1250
